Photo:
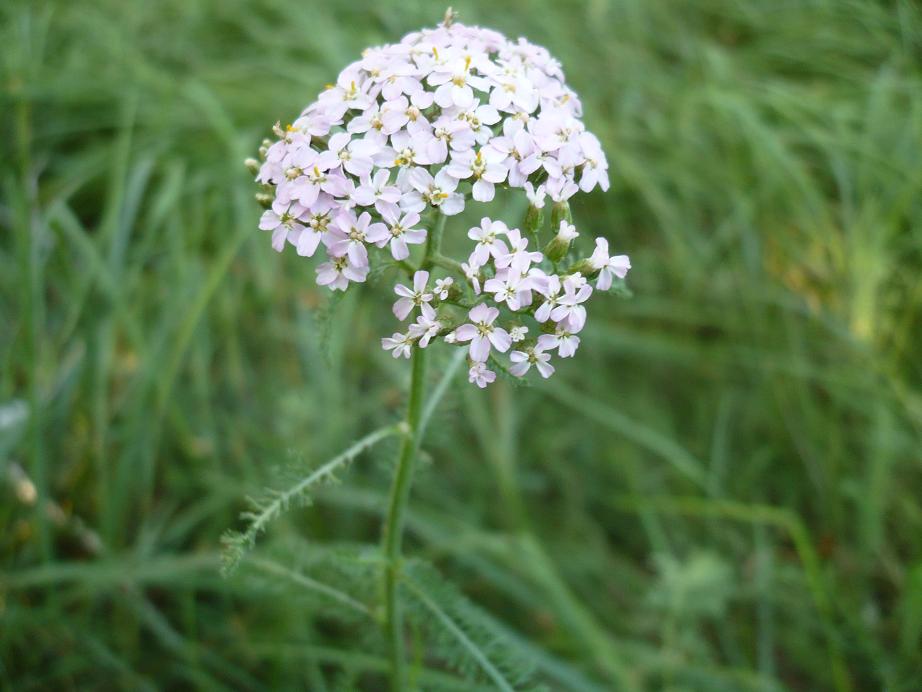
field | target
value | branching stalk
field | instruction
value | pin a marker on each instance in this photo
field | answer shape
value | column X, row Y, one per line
column 400, row 489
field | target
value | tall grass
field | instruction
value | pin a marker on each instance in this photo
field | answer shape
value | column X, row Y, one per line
column 721, row 493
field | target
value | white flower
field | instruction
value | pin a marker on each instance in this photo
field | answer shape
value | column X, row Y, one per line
column 400, row 344
column 563, row 339
column 510, row 287
column 567, row 231
column 349, row 235
column 426, row 325
column 488, row 243
column 550, row 289
column 398, row 233
column 569, row 307
column 523, row 360
column 535, row 195
column 472, row 273
column 453, row 112
column 410, row 298
column 479, row 375
column 518, row 333
column 437, row 192
column 482, row 334
column 517, row 256
column 609, row 267
column 282, row 225
column 442, row 287
column 338, row 272
column 377, row 191
column 484, row 167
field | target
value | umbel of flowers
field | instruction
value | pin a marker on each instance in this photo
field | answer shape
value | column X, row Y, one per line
column 421, row 129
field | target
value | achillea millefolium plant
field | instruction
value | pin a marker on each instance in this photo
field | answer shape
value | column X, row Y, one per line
column 406, row 138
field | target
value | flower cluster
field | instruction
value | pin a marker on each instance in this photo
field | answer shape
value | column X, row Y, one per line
column 414, row 131
column 503, row 273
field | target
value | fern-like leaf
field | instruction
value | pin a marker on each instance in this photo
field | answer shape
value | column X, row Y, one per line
column 275, row 502
column 470, row 641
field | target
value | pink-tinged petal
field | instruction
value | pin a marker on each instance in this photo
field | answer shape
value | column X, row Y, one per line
column 363, row 196
column 459, row 171
column 399, row 249
column 355, row 273
column 443, row 95
column 381, row 178
column 483, row 191
column 415, row 237
column 403, row 291
column 420, row 279
column 419, row 178
column 568, row 346
column 479, row 256
column 269, row 220
column 326, row 274
column 390, row 214
column 518, row 356
column 308, row 242
column 279, row 235
column 493, row 285
column 500, row 339
column 465, row 332
column 545, row 369
column 377, row 233
column 543, row 312
column 479, row 312
column 307, row 194
column 560, row 312
column 547, row 341
column 453, row 205
column 358, row 255
column 480, row 349
column 412, row 202
column 462, row 96
column 339, row 141
column 445, row 182
column 495, row 173
column 520, row 368
column 604, row 281
column 402, row 308
column 620, row 264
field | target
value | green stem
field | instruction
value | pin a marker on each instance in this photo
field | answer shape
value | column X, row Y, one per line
column 434, row 242
column 393, row 527
column 400, row 490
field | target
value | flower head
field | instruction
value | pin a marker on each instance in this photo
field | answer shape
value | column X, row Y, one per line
column 416, row 131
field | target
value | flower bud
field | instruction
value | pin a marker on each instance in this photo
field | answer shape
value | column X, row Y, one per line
column 264, row 199
column 252, row 165
column 534, row 219
column 264, row 148
column 584, row 267
column 560, row 212
column 557, row 249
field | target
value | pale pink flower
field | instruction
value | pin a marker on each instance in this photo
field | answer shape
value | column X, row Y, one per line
column 523, row 360
column 398, row 233
column 338, row 272
column 400, row 344
column 482, row 333
column 412, row 297
column 480, row 375
column 608, row 266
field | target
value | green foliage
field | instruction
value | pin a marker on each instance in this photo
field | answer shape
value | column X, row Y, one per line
column 274, row 502
column 720, row 493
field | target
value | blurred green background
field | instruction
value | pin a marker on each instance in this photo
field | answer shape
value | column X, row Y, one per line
column 721, row 492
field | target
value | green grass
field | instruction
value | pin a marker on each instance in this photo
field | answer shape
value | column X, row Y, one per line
column 720, row 493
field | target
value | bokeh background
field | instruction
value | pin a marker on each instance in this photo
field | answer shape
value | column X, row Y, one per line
column 721, row 492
